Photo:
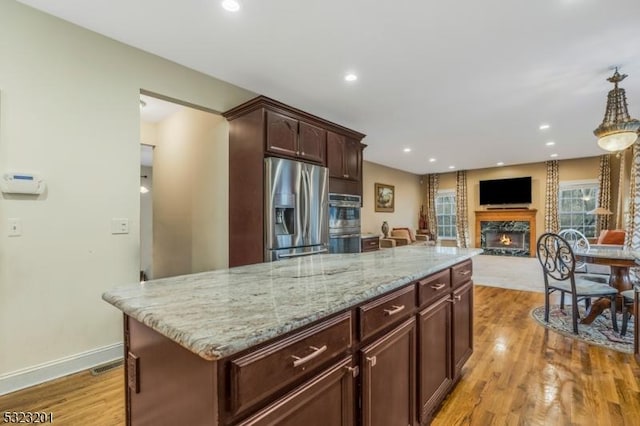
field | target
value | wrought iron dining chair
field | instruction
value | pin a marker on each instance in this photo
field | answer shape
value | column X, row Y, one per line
column 627, row 308
column 558, row 266
column 578, row 241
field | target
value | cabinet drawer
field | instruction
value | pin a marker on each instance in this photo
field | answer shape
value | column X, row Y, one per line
column 376, row 315
column 461, row 273
column 433, row 287
column 262, row 373
column 370, row 244
column 327, row 399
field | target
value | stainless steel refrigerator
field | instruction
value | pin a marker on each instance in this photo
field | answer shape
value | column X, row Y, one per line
column 296, row 209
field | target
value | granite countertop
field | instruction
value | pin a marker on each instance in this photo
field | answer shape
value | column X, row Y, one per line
column 613, row 252
column 219, row 313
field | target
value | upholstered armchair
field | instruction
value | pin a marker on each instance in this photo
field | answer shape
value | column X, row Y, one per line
column 608, row 238
column 402, row 236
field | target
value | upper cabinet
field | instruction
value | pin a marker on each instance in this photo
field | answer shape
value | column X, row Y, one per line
column 263, row 127
column 289, row 137
column 345, row 157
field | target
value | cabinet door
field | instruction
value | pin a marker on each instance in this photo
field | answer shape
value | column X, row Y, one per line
column 434, row 356
column 462, row 326
column 282, row 134
column 352, row 159
column 312, row 143
column 388, row 378
column 335, row 155
column 327, row 399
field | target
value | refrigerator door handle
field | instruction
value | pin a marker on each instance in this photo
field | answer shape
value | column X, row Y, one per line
column 307, row 209
column 308, row 253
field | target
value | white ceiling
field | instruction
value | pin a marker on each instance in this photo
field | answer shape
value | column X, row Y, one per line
column 155, row 110
column 467, row 82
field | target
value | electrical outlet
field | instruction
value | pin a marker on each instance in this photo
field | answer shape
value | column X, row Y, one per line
column 15, row 227
column 119, row 226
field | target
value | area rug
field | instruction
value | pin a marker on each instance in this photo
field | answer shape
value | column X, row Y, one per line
column 599, row 332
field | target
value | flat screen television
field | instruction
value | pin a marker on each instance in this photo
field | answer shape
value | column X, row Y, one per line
column 505, row 191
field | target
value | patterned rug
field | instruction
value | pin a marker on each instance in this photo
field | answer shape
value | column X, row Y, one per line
column 599, row 332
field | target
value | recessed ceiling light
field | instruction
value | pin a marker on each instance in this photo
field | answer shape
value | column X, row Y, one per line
column 553, row 155
column 452, row 167
column 407, row 150
column 432, row 160
column 351, row 77
column 500, row 163
column 550, row 143
column 544, row 126
column 231, row 5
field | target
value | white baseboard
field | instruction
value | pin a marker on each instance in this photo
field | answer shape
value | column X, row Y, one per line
column 41, row 373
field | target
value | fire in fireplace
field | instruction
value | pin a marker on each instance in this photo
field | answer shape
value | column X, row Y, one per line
column 505, row 240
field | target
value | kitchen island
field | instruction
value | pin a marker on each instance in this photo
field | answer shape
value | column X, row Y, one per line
column 319, row 337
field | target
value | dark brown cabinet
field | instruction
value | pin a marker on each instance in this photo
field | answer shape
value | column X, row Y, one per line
column 312, row 143
column 370, row 244
column 462, row 326
column 297, row 139
column 327, row 399
column 263, row 127
column 435, row 374
column 344, row 160
column 445, row 334
column 282, row 134
column 388, row 378
column 390, row 360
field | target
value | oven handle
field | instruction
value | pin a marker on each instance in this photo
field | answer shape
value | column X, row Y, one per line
column 344, row 236
column 339, row 204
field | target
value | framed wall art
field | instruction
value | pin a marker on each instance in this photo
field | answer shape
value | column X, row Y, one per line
column 385, row 197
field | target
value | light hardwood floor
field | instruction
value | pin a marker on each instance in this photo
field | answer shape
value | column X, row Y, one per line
column 520, row 374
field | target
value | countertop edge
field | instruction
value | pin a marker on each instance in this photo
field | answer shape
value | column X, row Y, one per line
column 209, row 352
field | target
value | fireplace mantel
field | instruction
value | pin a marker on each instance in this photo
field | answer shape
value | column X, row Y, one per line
column 504, row 215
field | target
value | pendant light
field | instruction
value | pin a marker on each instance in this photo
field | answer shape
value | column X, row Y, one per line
column 618, row 130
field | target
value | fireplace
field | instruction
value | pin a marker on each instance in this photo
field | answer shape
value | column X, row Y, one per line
column 508, row 232
column 509, row 240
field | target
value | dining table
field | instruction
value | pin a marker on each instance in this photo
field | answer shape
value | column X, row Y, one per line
column 620, row 261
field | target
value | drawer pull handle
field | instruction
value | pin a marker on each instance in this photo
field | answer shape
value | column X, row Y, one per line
column 395, row 310
column 316, row 351
column 439, row 286
column 354, row 371
column 372, row 360
column 455, row 299
column 465, row 272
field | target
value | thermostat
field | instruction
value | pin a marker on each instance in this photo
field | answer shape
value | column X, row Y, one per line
column 22, row 183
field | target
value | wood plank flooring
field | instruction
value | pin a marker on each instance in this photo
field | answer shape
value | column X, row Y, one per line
column 523, row 374
column 520, row 374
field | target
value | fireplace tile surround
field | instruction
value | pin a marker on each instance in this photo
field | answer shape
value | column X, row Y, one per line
column 506, row 232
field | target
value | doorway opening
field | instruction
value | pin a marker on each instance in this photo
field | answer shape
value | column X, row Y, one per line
column 183, row 188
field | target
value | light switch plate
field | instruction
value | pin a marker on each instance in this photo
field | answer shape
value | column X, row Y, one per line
column 119, row 226
column 15, row 227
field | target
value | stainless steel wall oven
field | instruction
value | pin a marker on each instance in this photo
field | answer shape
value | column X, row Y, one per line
column 344, row 223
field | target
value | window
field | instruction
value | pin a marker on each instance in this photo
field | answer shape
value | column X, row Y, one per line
column 576, row 199
column 446, row 214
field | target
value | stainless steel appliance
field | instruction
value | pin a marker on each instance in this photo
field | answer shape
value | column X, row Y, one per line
column 344, row 223
column 296, row 209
